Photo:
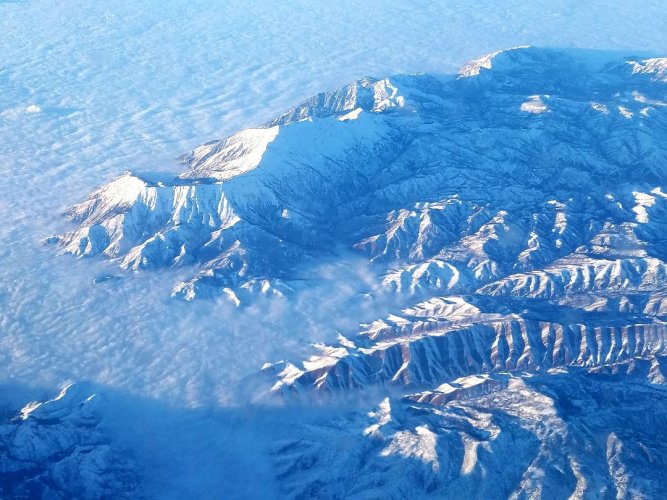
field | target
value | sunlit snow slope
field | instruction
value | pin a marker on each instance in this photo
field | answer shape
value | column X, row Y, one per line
column 532, row 173
column 519, row 208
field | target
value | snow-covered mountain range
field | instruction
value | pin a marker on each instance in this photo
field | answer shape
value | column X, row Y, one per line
column 57, row 449
column 519, row 210
column 529, row 166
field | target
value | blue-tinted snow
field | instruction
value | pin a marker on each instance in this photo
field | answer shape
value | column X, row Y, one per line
column 91, row 89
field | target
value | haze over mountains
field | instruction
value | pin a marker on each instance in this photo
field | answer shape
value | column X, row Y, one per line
column 518, row 211
column 527, row 157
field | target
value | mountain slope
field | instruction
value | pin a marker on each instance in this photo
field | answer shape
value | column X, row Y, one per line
column 518, row 211
column 56, row 449
column 503, row 168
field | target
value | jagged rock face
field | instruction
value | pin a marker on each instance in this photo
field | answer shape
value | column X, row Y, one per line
column 526, row 157
column 519, row 206
column 562, row 434
column 55, row 449
column 446, row 338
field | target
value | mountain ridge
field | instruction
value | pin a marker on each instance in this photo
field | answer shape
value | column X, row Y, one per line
column 308, row 179
column 515, row 211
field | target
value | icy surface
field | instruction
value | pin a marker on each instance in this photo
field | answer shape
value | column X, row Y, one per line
column 534, row 231
column 90, row 91
column 562, row 434
column 59, row 449
column 496, row 199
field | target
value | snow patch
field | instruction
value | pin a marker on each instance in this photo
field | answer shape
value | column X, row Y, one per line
column 643, row 201
column 474, row 67
column 625, row 112
column 600, row 108
column 534, row 105
column 420, row 444
column 352, row 115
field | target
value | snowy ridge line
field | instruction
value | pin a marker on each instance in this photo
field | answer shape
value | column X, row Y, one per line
column 583, row 275
column 580, row 173
column 502, row 435
column 58, row 449
column 436, row 355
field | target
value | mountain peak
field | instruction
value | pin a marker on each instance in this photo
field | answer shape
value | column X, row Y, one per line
column 462, row 170
column 490, row 61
